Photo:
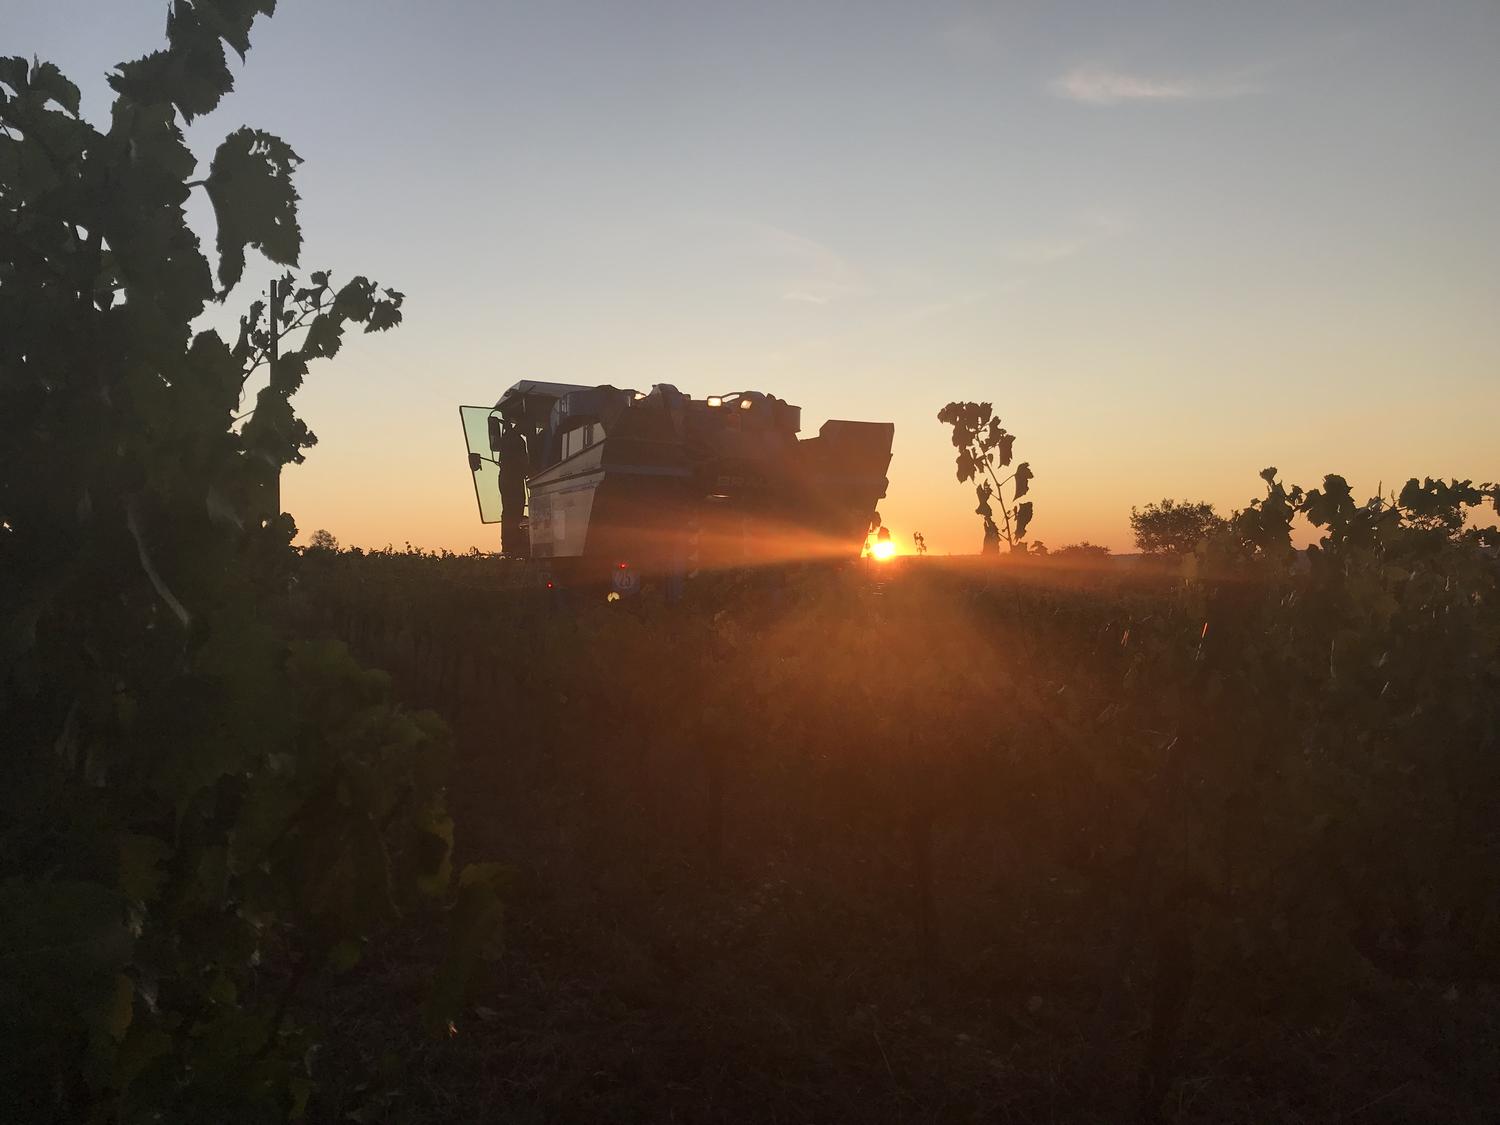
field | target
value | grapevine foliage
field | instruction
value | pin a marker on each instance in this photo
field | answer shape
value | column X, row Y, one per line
column 984, row 446
column 198, row 816
column 1186, row 817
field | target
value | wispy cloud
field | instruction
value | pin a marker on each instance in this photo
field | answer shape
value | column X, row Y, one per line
column 778, row 264
column 1044, row 251
column 1098, row 85
column 957, row 303
column 811, row 273
column 1083, row 232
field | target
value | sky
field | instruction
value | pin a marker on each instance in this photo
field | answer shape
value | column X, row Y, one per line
column 1173, row 243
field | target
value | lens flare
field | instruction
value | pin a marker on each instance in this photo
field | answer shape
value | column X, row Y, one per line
column 882, row 550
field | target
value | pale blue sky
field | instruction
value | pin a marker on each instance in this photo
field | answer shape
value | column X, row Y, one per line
column 1173, row 242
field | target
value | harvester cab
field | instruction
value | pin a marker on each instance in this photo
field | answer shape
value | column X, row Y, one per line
column 590, row 481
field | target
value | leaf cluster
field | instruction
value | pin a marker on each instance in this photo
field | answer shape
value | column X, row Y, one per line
column 1425, row 518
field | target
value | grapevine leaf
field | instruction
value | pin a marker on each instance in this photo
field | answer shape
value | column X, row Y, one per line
column 1023, row 518
column 231, row 19
column 250, row 184
column 114, row 1017
column 48, row 81
column 1412, row 497
column 434, row 852
column 1024, row 477
column 324, row 337
column 473, row 924
column 156, row 149
column 384, row 315
column 355, row 300
column 965, row 465
column 193, row 72
column 14, row 71
column 140, row 859
column 344, row 955
column 192, row 78
column 1003, row 444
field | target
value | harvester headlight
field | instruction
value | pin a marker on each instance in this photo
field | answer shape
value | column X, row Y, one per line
column 715, row 400
column 745, row 404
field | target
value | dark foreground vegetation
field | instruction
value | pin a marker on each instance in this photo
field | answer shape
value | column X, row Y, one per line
column 935, row 842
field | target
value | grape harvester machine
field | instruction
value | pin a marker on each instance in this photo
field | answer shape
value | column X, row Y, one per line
column 599, row 484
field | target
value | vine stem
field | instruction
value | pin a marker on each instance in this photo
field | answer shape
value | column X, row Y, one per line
column 1004, row 511
column 133, row 522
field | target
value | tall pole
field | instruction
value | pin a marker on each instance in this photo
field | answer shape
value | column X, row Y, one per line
column 278, row 296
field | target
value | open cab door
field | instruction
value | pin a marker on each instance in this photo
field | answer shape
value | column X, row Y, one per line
column 483, row 461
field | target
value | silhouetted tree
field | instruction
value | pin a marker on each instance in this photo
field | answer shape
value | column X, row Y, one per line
column 1082, row 552
column 1174, row 527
